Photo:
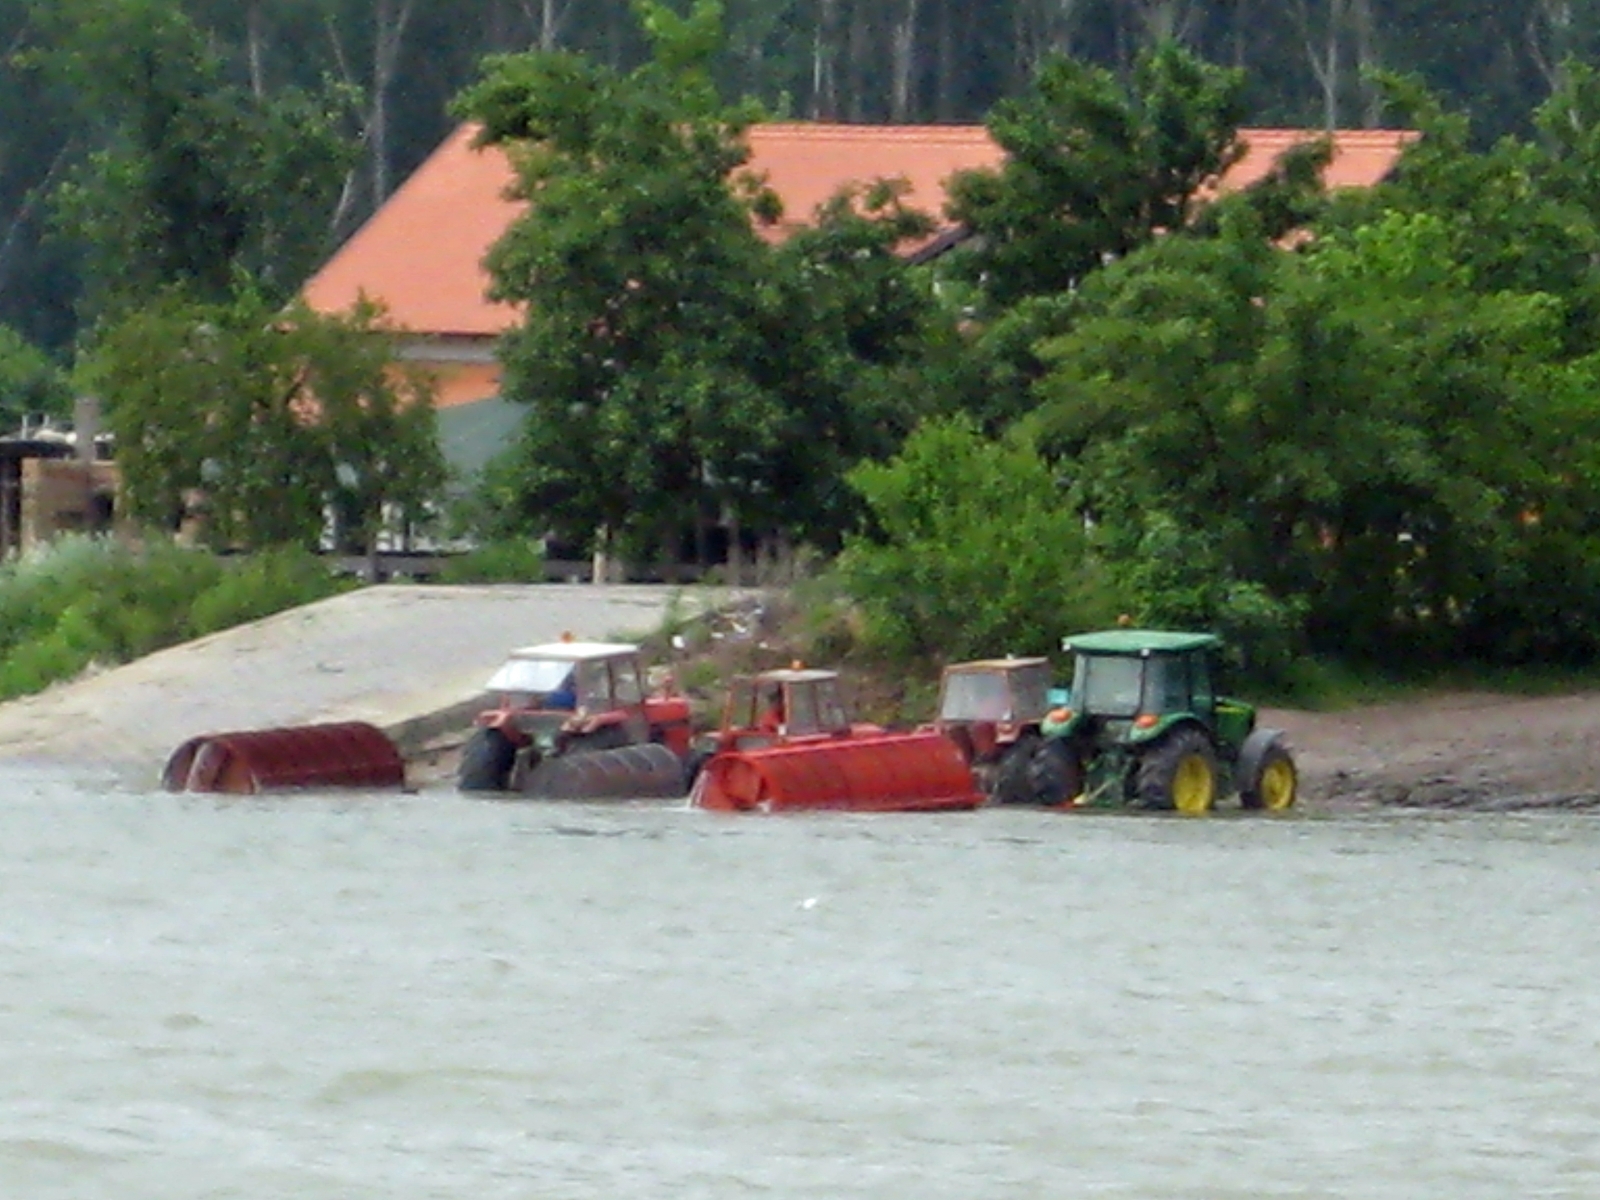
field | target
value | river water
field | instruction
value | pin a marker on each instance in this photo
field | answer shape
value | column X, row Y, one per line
column 425, row 996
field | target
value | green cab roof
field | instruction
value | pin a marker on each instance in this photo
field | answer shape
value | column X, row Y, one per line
column 1139, row 641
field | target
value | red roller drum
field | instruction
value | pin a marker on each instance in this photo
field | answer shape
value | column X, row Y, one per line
column 894, row 772
column 348, row 754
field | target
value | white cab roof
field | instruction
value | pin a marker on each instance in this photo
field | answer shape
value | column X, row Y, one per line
column 575, row 651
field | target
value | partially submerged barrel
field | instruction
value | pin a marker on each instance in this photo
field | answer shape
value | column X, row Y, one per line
column 644, row 772
column 347, row 754
column 895, row 772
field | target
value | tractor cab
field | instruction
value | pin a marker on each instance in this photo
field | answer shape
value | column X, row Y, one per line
column 1138, row 681
column 542, row 690
column 560, row 698
column 778, row 706
column 992, row 709
column 1143, row 724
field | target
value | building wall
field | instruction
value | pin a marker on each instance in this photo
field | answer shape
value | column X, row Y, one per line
column 66, row 495
column 464, row 383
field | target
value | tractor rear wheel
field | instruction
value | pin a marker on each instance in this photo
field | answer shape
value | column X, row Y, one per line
column 1179, row 773
column 1056, row 773
column 486, row 762
column 1274, row 782
column 1012, row 777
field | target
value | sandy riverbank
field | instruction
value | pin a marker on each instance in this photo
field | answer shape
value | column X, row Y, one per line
column 1454, row 750
column 413, row 660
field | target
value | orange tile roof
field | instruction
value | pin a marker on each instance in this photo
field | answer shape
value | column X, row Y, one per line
column 422, row 252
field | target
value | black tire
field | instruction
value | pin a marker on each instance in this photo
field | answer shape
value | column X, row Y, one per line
column 1179, row 772
column 1012, row 776
column 1056, row 773
column 609, row 737
column 486, row 762
column 1272, row 781
column 692, row 766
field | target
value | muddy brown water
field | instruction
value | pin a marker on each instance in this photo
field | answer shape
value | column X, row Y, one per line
column 428, row 996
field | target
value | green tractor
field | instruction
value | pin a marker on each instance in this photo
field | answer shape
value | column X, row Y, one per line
column 1145, row 728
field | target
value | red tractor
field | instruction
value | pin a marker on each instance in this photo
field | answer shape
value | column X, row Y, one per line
column 787, row 742
column 992, row 710
column 573, row 720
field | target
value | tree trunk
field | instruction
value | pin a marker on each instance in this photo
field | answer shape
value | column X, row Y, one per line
column 1550, row 39
column 392, row 18
column 255, row 49
column 905, row 62
column 730, row 521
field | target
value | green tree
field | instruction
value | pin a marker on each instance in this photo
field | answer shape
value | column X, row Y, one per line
column 677, row 369
column 1095, row 167
column 974, row 549
column 638, row 267
column 1336, row 427
column 262, row 421
column 30, row 383
column 198, row 182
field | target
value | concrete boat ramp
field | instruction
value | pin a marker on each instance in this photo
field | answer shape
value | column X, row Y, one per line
column 411, row 659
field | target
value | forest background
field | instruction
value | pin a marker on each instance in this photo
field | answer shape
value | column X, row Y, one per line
column 1363, row 425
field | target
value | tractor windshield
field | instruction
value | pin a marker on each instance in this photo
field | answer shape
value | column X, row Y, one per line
column 976, row 696
column 1108, row 685
column 530, row 675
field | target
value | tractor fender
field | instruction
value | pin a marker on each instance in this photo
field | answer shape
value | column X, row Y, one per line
column 503, row 722
column 1138, row 736
column 1255, row 748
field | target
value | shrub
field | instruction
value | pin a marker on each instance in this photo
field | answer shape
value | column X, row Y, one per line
column 976, row 552
column 508, row 561
column 84, row 601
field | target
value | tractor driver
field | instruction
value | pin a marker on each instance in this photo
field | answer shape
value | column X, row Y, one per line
column 772, row 717
column 565, row 693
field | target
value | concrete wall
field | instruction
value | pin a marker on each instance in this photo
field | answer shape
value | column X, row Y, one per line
column 65, row 495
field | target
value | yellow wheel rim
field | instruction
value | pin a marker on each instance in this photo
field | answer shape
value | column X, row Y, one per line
column 1278, row 784
column 1194, row 786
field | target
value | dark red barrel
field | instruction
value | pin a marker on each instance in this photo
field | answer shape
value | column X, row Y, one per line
column 893, row 772
column 348, row 754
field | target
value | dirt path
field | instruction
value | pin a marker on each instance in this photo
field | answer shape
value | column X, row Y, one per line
column 1464, row 750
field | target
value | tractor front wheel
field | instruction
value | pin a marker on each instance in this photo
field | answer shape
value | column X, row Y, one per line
column 1272, row 783
column 486, row 762
column 1179, row 773
column 1012, row 783
column 1057, row 773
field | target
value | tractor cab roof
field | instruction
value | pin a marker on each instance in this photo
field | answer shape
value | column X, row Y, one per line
column 997, row 664
column 793, row 675
column 575, row 651
column 1139, row 642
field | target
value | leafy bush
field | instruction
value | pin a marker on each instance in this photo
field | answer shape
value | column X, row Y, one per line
column 84, row 601
column 508, row 561
column 975, row 554
column 258, row 585
column 1177, row 578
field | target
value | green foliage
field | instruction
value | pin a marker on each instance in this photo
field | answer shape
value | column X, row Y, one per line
column 518, row 560
column 976, row 551
column 1332, row 432
column 265, row 419
column 1095, row 167
column 676, row 368
column 29, row 381
column 84, row 602
column 257, row 585
column 204, row 182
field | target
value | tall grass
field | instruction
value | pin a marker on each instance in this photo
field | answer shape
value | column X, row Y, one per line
column 85, row 602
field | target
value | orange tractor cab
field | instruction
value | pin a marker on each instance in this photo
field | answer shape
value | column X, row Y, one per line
column 787, row 743
column 574, row 720
column 992, row 709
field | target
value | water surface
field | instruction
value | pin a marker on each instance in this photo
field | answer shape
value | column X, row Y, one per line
column 425, row 996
